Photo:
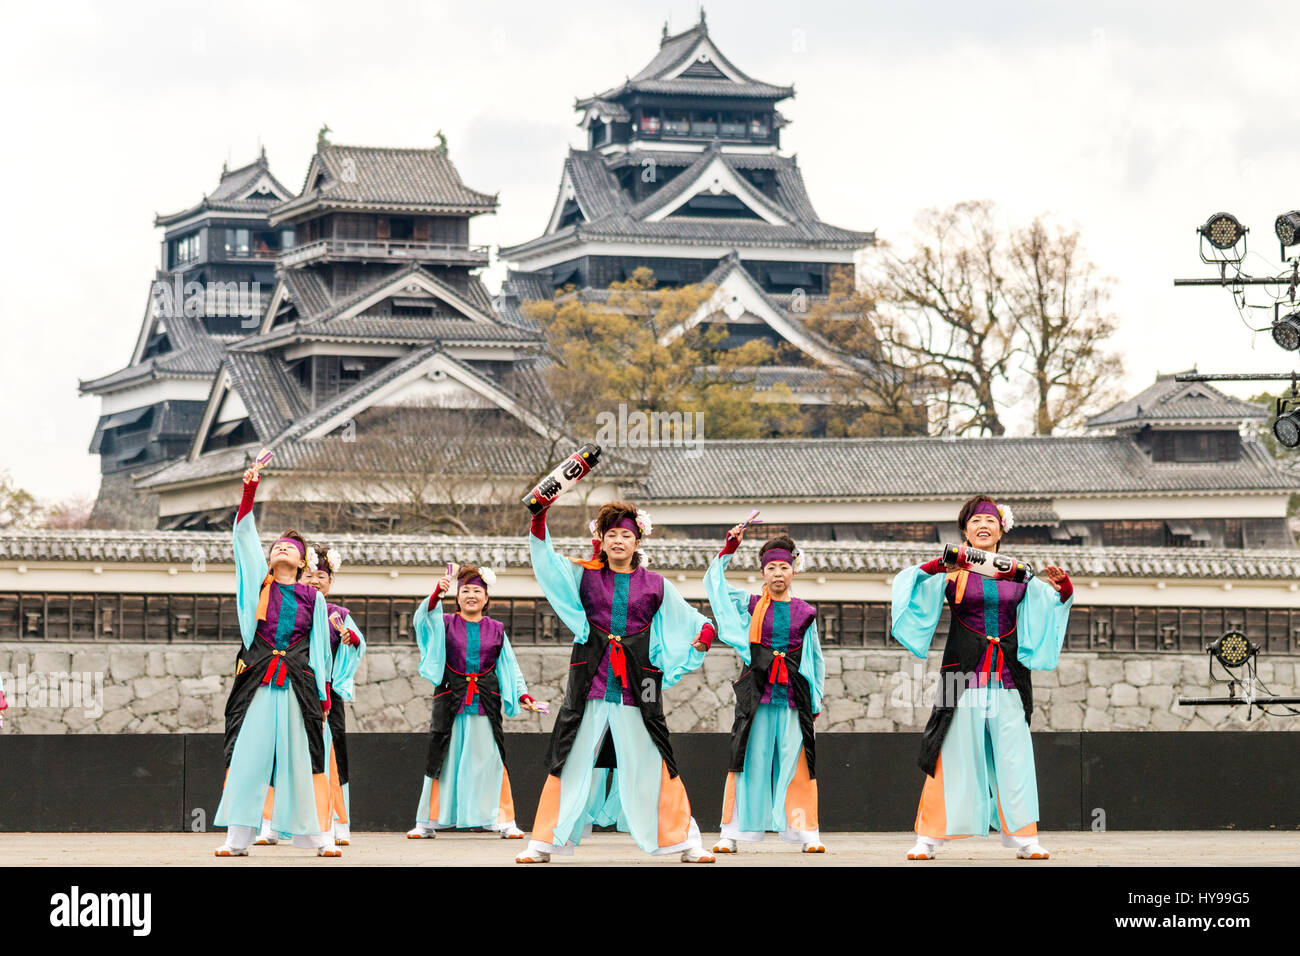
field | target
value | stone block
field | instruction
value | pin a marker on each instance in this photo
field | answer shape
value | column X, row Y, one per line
column 1131, row 718
column 1123, row 695
column 193, row 713
column 1065, row 716
column 380, row 667
column 1103, row 673
column 1096, row 718
column 201, row 686
column 156, row 665
column 183, row 663
column 167, row 699
column 1098, row 698
column 396, row 691
column 1138, row 673
column 859, row 684
column 1158, row 696
column 1071, row 670
column 51, row 662
column 126, row 666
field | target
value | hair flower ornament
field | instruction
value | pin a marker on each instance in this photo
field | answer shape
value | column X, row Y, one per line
column 644, row 523
column 489, row 576
column 1008, row 519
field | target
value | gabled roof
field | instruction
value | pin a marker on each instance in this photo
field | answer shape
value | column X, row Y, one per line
column 858, row 469
column 609, row 214
column 247, row 191
column 282, row 421
column 690, row 63
column 1169, row 402
column 383, row 178
column 321, row 317
column 737, row 292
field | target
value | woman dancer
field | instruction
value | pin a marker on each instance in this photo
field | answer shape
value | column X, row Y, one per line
column 348, row 646
column 771, row 780
column 277, row 706
column 634, row 636
column 468, row 659
column 976, row 750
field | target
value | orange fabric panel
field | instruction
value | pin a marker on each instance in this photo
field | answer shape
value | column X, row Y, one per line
column 931, row 816
column 801, row 797
column 270, row 803
column 320, row 784
column 433, row 800
column 336, row 789
column 506, row 805
column 1028, row 830
column 548, row 811
column 729, row 797
column 674, row 809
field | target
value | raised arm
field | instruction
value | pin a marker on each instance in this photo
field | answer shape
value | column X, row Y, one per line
column 250, row 563
column 431, row 637
column 559, row 579
column 730, row 606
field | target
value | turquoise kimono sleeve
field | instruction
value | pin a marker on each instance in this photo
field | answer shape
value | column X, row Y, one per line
column 431, row 639
column 917, row 605
column 813, row 666
column 730, row 607
column 318, row 650
column 559, row 579
column 1041, row 620
column 250, row 572
column 509, row 679
column 674, row 628
column 346, row 661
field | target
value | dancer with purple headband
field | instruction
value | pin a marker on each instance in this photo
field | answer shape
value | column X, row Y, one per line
column 634, row 636
column 771, row 780
column 976, row 750
column 276, row 711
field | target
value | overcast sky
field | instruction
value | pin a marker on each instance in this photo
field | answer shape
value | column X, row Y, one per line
column 1132, row 124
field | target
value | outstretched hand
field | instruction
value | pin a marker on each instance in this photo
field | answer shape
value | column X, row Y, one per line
column 700, row 646
column 1055, row 577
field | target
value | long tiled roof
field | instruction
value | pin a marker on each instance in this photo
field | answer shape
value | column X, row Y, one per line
column 866, row 468
column 1172, row 402
column 181, row 547
column 385, row 177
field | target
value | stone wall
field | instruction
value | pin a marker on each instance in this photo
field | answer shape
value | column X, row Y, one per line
column 144, row 688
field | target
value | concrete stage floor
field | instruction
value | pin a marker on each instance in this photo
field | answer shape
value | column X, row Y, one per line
column 1116, row 848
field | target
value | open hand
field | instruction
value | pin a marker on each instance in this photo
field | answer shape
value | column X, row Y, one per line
column 1055, row 576
column 700, row 646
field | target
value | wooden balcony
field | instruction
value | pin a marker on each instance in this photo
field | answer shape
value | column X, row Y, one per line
column 384, row 250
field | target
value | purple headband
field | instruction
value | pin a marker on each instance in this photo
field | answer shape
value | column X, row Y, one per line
column 987, row 508
column 628, row 523
column 778, row 554
column 302, row 552
column 470, row 582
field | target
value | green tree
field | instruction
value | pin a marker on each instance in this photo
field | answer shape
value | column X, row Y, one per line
column 18, row 508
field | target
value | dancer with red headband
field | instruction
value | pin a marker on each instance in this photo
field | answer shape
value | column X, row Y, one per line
column 976, row 750
column 468, row 659
column 277, row 706
column 771, row 778
column 634, row 636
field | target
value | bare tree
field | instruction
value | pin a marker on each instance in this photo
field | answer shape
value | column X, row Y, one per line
column 1059, row 303
column 973, row 297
